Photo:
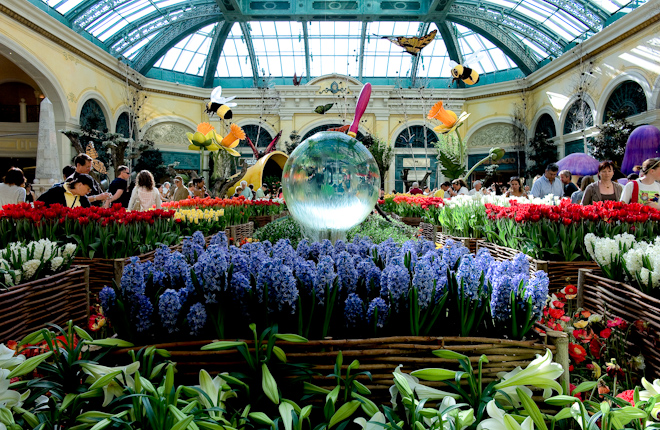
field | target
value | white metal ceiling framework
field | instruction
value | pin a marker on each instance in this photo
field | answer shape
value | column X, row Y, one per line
column 217, row 39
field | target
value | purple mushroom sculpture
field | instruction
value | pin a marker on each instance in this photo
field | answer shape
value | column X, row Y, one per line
column 579, row 164
column 643, row 143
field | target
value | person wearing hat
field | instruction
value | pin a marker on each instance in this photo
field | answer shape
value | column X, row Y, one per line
column 70, row 193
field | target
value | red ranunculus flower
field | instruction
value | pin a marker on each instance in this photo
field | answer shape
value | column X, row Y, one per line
column 628, row 396
column 606, row 333
column 577, row 352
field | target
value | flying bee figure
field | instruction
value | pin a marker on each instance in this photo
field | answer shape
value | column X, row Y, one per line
column 464, row 73
column 220, row 105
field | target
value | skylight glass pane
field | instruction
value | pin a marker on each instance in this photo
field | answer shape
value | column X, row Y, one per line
column 334, row 47
column 63, row 6
column 234, row 60
column 130, row 54
column 390, row 60
column 272, row 40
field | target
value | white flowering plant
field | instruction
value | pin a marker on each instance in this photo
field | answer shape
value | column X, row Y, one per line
column 20, row 262
column 624, row 259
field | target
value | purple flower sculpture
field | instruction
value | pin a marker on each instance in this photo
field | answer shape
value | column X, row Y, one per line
column 643, row 143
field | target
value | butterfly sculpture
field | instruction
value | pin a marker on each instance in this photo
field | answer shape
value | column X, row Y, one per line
column 322, row 109
column 412, row 45
column 296, row 80
column 96, row 164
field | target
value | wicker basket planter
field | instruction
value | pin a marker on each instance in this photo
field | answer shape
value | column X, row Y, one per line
column 380, row 356
column 260, row 221
column 561, row 273
column 55, row 299
column 240, row 231
column 430, row 231
column 103, row 270
column 616, row 299
column 411, row 221
column 469, row 242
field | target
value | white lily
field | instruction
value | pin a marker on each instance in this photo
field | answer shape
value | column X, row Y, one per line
column 422, row 391
column 460, row 419
column 652, row 390
column 373, row 424
column 540, row 373
column 112, row 389
column 213, row 388
column 7, row 359
column 499, row 420
column 7, row 397
column 512, row 393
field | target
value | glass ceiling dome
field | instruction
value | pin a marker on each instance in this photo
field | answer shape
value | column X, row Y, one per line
column 234, row 43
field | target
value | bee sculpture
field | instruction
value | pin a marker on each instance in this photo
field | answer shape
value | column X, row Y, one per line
column 220, row 105
column 465, row 74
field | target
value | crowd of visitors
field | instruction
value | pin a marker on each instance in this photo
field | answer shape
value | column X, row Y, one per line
column 80, row 188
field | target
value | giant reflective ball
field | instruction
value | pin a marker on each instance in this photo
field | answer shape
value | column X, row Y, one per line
column 330, row 182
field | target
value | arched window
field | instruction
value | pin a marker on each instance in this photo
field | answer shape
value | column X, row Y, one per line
column 546, row 125
column 414, row 136
column 324, row 127
column 92, row 117
column 628, row 96
column 260, row 138
column 123, row 126
column 579, row 117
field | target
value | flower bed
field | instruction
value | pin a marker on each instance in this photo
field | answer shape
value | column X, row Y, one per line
column 556, row 233
column 347, row 290
column 617, row 299
column 601, row 347
column 54, row 299
column 105, row 271
column 559, row 272
column 98, row 232
column 409, row 206
column 237, row 210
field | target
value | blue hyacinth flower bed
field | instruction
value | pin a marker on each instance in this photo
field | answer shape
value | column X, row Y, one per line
column 346, row 290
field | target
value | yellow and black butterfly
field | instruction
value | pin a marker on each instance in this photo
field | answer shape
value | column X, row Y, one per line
column 96, row 164
column 322, row 109
column 412, row 45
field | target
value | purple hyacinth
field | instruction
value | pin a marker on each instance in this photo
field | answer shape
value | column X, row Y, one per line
column 169, row 307
column 346, row 272
column 383, row 311
column 196, row 318
column 108, row 298
column 353, row 310
column 142, row 313
column 219, row 239
column 395, row 283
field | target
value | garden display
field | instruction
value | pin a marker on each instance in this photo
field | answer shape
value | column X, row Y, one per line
column 556, row 233
column 349, row 290
column 62, row 379
column 97, row 232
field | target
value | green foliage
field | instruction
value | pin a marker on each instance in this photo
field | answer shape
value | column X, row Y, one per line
column 541, row 151
column 610, row 143
column 378, row 229
column 292, row 143
column 151, row 160
column 382, row 152
column 450, row 165
column 282, row 228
